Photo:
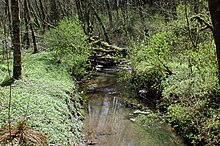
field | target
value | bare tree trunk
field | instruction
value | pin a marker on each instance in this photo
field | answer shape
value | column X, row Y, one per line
column 31, row 27
column 102, row 25
column 140, row 6
column 37, row 10
column 109, row 12
column 33, row 38
column 27, row 23
column 4, row 23
column 115, row 7
column 124, row 12
column 87, row 24
column 34, row 14
column 214, row 8
column 192, row 39
column 79, row 10
column 54, row 13
column 9, row 14
column 84, row 13
column 43, row 15
column 16, row 40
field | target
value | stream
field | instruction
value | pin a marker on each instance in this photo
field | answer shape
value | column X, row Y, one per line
column 107, row 122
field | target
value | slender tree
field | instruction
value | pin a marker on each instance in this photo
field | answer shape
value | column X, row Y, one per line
column 31, row 27
column 43, row 15
column 16, row 39
column 54, row 12
column 102, row 25
column 27, row 23
column 109, row 12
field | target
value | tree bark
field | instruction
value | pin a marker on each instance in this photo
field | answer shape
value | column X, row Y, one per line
column 27, row 23
column 4, row 23
column 79, row 10
column 34, row 39
column 115, row 7
column 54, row 13
column 8, row 14
column 102, row 25
column 31, row 27
column 43, row 15
column 214, row 8
column 34, row 14
column 109, row 13
column 16, row 39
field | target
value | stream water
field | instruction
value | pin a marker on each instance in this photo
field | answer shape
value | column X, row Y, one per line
column 107, row 121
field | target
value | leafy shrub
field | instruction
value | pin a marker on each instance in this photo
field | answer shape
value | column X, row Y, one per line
column 70, row 45
column 194, row 75
column 149, row 62
column 198, row 122
column 185, row 76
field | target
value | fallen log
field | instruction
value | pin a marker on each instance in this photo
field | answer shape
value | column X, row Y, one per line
column 104, row 53
column 102, row 46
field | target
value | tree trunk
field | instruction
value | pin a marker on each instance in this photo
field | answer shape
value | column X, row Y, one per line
column 102, row 25
column 109, row 13
column 16, row 39
column 214, row 8
column 43, row 15
column 31, row 27
column 34, row 14
column 115, row 7
column 79, row 10
column 34, row 39
column 37, row 11
column 27, row 22
column 4, row 23
column 140, row 6
column 8, row 14
column 54, row 13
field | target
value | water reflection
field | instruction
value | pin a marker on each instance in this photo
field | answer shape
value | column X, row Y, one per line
column 107, row 122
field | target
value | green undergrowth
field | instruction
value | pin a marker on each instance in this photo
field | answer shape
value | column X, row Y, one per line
column 71, row 47
column 46, row 96
column 184, row 80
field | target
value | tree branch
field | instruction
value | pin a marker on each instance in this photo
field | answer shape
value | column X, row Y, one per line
column 202, row 21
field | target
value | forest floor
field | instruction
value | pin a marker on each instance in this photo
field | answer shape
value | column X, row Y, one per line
column 45, row 96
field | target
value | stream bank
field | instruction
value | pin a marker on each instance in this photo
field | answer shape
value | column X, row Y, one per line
column 45, row 99
column 109, row 121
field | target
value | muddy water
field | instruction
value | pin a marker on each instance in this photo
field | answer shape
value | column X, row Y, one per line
column 107, row 121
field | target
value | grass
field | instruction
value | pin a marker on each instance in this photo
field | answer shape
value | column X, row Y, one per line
column 46, row 96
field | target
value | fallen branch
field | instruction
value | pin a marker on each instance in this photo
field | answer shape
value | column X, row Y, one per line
column 21, row 133
column 105, row 47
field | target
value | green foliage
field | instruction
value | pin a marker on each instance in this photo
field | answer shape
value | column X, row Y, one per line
column 198, row 122
column 43, row 96
column 149, row 62
column 184, row 71
column 188, row 95
column 197, row 75
column 70, row 44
